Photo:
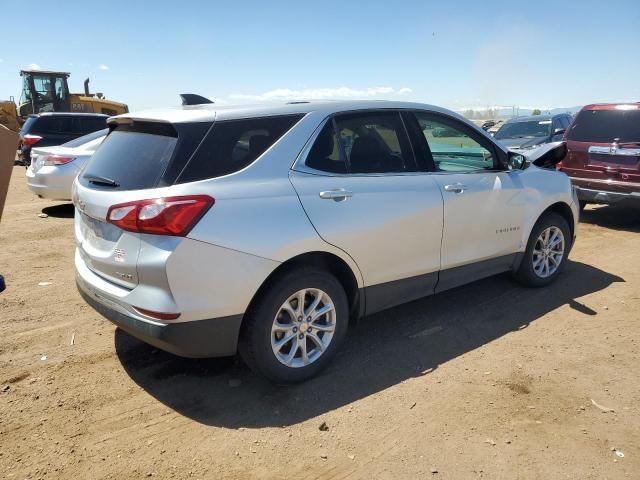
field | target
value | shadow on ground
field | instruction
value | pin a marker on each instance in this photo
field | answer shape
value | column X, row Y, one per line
column 381, row 351
column 614, row 217
column 64, row 210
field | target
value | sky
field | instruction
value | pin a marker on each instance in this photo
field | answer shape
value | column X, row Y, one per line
column 457, row 54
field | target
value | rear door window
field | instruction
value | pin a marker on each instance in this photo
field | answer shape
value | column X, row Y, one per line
column 604, row 126
column 232, row 145
column 375, row 142
column 325, row 155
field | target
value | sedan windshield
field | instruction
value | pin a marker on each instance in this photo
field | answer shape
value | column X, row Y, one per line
column 533, row 128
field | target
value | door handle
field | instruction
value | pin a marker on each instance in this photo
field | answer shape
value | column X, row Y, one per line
column 455, row 188
column 337, row 195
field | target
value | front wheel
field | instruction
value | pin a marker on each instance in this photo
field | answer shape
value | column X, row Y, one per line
column 296, row 326
column 546, row 252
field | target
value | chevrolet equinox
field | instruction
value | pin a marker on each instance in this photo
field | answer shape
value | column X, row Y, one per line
column 206, row 230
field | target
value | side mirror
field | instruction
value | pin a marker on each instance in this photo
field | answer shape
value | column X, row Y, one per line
column 516, row 161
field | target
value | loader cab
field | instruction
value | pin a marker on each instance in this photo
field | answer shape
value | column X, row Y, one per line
column 43, row 91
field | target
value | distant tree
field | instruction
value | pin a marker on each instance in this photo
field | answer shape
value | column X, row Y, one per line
column 536, row 112
column 469, row 113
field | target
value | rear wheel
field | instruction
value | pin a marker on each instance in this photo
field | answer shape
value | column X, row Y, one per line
column 546, row 252
column 296, row 327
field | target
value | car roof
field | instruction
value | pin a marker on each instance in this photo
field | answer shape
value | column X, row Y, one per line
column 533, row 118
column 75, row 114
column 613, row 106
column 209, row 112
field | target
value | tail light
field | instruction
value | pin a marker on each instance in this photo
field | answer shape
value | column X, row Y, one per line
column 160, row 216
column 57, row 160
column 30, row 140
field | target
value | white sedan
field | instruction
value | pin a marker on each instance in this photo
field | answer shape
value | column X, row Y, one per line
column 53, row 169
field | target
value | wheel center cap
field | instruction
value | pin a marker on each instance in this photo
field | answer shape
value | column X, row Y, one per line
column 304, row 326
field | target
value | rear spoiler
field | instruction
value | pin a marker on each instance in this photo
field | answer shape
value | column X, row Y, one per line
column 193, row 99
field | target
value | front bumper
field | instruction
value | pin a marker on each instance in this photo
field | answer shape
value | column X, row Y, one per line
column 612, row 198
column 216, row 337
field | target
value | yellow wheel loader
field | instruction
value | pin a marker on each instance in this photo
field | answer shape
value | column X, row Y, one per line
column 46, row 91
column 9, row 114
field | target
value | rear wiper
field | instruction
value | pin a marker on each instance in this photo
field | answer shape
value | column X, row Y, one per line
column 101, row 180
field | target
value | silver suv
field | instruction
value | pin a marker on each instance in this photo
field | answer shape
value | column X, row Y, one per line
column 207, row 230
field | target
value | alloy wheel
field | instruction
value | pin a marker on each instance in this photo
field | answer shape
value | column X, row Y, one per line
column 303, row 328
column 548, row 252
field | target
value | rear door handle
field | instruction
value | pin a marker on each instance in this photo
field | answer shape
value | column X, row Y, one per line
column 337, row 195
column 455, row 188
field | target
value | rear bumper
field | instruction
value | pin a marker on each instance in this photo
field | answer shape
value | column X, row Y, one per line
column 216, row 337
column 602, row 196
column 51, row 182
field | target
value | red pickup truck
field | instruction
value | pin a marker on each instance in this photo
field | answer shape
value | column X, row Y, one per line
column 603, row 157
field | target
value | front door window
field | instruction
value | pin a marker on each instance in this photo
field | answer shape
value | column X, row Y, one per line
column 452, row 148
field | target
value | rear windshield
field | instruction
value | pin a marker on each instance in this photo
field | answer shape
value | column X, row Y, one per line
column 67, row 124
column 148, row 155
column 86, row 138
column 603, row 126
column 530, row 129
column 132, row 157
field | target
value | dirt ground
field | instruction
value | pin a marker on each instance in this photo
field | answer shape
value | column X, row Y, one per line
column 490, row 380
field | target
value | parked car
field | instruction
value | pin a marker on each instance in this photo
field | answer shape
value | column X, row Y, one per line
column 446, row 132
column 53, row 169
column 489, row 125
column 56, row 128
column 262, row 233
column 523, row 133
column 603, row 158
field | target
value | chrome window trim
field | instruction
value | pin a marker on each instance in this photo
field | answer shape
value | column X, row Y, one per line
column 299, row 165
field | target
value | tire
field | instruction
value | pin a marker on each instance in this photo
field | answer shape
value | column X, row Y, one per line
column 530, row 275
column 260, row 335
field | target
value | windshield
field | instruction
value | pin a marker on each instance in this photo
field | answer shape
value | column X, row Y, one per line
column 86, row 138
column 603, row 126
column 533, row 128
